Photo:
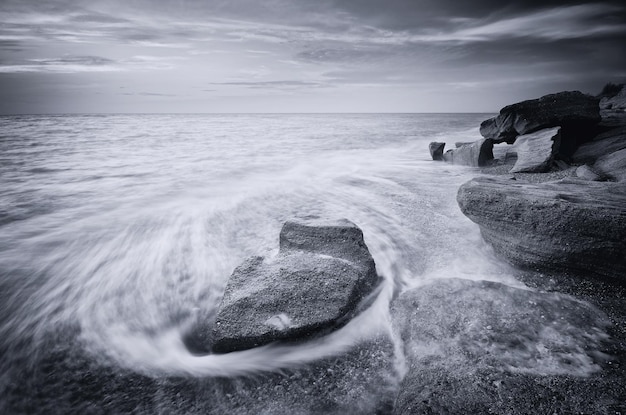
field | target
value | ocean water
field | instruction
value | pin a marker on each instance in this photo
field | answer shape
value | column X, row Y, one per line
column 119, row 232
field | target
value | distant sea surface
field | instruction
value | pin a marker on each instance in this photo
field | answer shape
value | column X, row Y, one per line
column 117, row 232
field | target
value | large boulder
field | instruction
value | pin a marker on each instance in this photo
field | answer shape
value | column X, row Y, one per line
column 577, row 114
column 478, row 347
column 536, row 151
column 315, row 283
column 476, row 154
column 572, row 226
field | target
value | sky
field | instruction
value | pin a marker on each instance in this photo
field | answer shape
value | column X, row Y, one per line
column 223, row 56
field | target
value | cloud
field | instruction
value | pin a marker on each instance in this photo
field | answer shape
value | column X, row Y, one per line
column 291, row 47
column 67, row 64
column 76, row 64
column 148, row 94
column 568, row 22
column 285, row 84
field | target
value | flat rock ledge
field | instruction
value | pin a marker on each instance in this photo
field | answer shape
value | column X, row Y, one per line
column 321, row 274
column 572, row 226
column 479, row 347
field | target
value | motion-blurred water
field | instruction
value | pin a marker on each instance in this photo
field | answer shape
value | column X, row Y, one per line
column 117, row 232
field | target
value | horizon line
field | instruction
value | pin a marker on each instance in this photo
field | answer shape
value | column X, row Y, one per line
column 237, row 113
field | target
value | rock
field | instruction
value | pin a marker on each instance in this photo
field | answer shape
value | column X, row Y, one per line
column 587, row 173
column 536, row 151
column 436, row 150
column 577, row 114
column 613, row 108
column 462, row 143
column 613, row 165
column 505, row 153
column 603, row 144
column 476, row 154
column 571, row 226
column 321, row 273
column 478, row 347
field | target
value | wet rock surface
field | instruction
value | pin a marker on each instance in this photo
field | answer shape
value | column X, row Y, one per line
column 436, row 150
column 66, row 379
column 482, row 347
column 571, row 226
column 316, row 282
column 575, row 112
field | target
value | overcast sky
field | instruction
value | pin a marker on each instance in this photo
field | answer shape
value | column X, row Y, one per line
column 302, row 55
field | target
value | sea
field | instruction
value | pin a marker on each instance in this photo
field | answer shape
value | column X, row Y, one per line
column 118, row 234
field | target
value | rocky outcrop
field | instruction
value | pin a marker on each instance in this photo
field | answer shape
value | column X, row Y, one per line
column 603, row 144
column 575, row 112
column 321, row 273
column 536, row 151
column 436, row 150
column 476, row 154
column 572, row 226
column 613, row 108
column 478, row 347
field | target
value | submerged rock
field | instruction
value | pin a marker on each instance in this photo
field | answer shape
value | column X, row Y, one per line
column 536, row 151
column 575, row 112
column 322, row 272
column 572, row 226
column 436, row 150
column 476, row 154
column 478, row 347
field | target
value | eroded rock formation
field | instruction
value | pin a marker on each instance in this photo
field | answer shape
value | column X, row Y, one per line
column 573, row 226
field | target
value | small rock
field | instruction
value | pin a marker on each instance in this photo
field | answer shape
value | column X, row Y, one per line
column 476, row 154
column 586, row 173
column 436, row 150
